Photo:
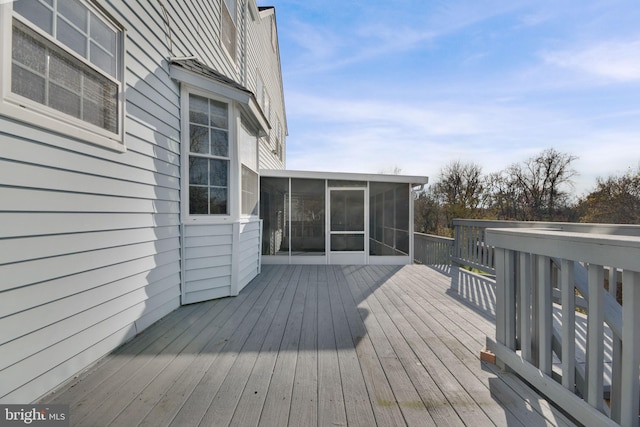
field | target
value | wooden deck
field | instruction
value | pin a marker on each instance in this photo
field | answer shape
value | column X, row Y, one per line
column 315, row 345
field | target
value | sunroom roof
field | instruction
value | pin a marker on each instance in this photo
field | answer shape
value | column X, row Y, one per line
column 347, row 176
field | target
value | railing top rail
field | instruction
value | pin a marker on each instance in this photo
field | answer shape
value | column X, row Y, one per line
column 434, row 237
column 613, row 229
column 604, row 249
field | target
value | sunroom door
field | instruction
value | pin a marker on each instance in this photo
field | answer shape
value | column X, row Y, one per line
column 347, row 226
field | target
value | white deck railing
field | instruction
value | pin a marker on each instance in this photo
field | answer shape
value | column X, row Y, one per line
column 545, row 272
column 525, row 261
column 432, row 250
column 471, row 249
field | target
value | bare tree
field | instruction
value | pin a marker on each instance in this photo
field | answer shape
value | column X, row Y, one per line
column 460, row 190
column 539, row 182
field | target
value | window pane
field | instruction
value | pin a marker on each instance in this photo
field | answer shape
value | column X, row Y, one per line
column 218, row 201
column 198, row 139
column 218, row 173
column 64, row 100
column 198, row 200
column 198, row 171
column 219, row 115
column 35, row 12
column 72, row 38
column 65, row 73
column 228, row 32
column 29, row 52
column 249, row 191
column 102, row 34
column 105, row 61
column 75, row 12
column 219, row 143
column 198, row 110
column 27, row 84
column 100, row 101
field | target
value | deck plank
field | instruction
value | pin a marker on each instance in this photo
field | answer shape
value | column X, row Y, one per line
column 199, row 401
column 304, row 402
column 356, row 399
column 316, row 345
column 405, row 394
column 331, row 409
column 261, row 339
column 385, row 408
column 253, row 398
column 276, row 407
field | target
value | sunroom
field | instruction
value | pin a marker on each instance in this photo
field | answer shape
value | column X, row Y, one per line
column 337, row 218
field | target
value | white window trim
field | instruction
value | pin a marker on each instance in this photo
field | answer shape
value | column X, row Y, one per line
column 233, row 189
column 26, row 110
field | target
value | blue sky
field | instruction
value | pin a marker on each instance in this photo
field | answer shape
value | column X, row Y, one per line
column 371, row 86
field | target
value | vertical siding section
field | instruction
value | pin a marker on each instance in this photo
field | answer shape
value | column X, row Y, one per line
column 89, row 238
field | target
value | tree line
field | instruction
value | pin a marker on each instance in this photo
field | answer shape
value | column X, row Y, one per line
column 538, row 189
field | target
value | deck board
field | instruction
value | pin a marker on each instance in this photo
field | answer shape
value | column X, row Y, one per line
column 316, row 345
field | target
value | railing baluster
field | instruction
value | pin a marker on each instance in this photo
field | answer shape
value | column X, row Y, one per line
column 631, row 350
column 568, row 301
column 545, row 315
column 525, row 306
column 595, row 331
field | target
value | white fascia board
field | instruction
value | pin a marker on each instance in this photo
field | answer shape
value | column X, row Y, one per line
column 347, row 176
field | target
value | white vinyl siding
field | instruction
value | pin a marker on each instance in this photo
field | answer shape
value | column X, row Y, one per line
column 93, row 246
column 249, row 262
column 263, row 63
column 219, row 259
column 207, row 262
column 90, row 254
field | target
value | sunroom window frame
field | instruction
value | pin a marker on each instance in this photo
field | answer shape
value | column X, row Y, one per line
column 232, row 177
column 23, row 109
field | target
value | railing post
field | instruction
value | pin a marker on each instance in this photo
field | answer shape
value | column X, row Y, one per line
column 505, row 299
column 631, row 349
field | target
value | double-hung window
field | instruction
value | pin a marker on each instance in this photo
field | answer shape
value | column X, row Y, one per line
column 209, row 157
column 62, row 68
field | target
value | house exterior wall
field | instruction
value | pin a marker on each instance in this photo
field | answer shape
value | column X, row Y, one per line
column 263, row 64
column 91, row 239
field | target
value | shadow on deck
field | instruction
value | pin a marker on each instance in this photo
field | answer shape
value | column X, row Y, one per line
column 316, row 345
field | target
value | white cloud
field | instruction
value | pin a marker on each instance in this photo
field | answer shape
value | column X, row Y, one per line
column 614, row 60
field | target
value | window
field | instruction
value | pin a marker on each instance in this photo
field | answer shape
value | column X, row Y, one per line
column 249, row 191
column 248, row 147
column 228, row 27
column 65, row 63
column 209, row 160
